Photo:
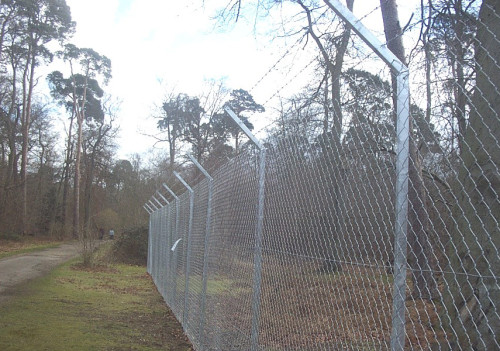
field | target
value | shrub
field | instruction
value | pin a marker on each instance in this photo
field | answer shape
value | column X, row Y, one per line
column 131, row 246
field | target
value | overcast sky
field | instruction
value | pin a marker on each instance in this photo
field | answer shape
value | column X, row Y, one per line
column 156, row 45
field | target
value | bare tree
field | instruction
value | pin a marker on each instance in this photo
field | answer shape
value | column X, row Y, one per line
column 422, row 260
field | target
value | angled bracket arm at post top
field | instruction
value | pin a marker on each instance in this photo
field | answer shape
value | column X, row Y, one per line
column 149, row 207
column 157, row 201
column 200, row 167
column 371, row 40
column 170, row 191
column 163, row 197
column 153, row 204
column 244, row 128
column 183, row 182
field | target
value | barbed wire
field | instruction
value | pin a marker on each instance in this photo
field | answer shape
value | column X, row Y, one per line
column 284, row 55
column 293, row 78
column 295, row 44
column 329, row 224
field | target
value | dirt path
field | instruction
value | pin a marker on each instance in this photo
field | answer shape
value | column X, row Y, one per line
column 19, row 269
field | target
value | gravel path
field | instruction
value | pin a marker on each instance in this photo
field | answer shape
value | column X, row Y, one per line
column 18, row 269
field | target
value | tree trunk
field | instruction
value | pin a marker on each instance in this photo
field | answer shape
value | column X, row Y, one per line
column 474, row 299
column 86, row 236
column 11, row 177
column 333, row 152
column 80, row 117
column 336, row 71
column 66, row 174
column 10, row 180
column 428, row 59
column 421, row 258
column 5, row 22
column 24, row 144
column 76, row 187
column 459, row 62
column 171, row 148
column 89, row 175
column 26, row 128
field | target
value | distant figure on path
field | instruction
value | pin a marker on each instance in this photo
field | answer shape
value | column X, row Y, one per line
column 111, row 234
column 101, row 233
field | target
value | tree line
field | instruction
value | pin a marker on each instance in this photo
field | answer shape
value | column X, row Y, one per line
column 199, row 124
column 68, row 185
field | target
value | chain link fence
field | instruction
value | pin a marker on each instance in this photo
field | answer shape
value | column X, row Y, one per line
column 382, row 234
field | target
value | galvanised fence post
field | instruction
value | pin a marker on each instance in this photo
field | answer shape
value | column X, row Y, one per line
column 164, row 246
column 189, row 244
column 167, row 251
column 154, row 241
column 257, row 278
column 401, row 225
column 401, row 206
column 206, row 246
column 173, row 256
column 158, row 242
column 451, row 261
column 149, row 211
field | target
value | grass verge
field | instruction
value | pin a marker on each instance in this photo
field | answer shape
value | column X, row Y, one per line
column 113, row 307
column 12, row 248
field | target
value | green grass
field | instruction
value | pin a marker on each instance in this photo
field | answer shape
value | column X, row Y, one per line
column 107, row 308
column 29, row 248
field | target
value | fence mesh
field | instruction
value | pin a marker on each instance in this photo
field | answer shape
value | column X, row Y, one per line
column 322, row 277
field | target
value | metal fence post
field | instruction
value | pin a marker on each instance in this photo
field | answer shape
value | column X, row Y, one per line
column 168, row 264
column 311, row 183
column 258, row 251
column 188, row 254
column 164, row 246
column 149, row 211
column 167, row 251
column 153, row 241
column 403, row 132
column 162, row 250
column 368, row 37
column 257, row 279
column 158, row 242
column 149, row 244
column 401, row 225
column 205, row 252
column 172, row 255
